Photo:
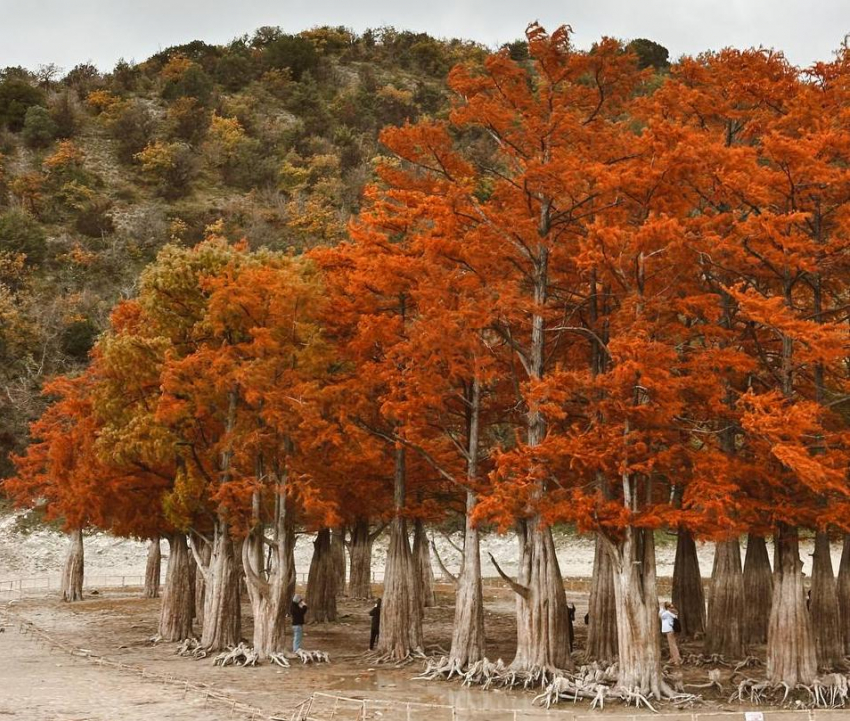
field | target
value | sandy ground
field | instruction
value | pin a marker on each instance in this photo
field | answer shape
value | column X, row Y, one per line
column 37, row 683
column 40, row 684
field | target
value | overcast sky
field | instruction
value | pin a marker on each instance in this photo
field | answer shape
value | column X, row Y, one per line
column 67, row 32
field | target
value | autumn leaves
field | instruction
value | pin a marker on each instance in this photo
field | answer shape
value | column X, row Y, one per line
column 591, row 295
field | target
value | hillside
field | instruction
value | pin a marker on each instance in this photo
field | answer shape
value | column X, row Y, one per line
column 272, row 135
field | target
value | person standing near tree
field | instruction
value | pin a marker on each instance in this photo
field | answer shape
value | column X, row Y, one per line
column 375, row 613
column 298, row 611
column 669, row 619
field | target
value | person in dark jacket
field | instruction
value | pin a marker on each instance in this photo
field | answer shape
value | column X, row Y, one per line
column 571, row 619
column 298, row 610
column 375, row 613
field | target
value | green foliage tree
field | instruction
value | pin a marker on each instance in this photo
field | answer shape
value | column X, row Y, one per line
column 125, row 76
column 39, row 127
column 517, row 50
column 235, row 69
column 16, row 97
column 132, row 127
column 65, row 114
column 78, row 338
column 82, row 78
column 192, row 82
column 21, row 233
column 292, row 52
column 650, row 54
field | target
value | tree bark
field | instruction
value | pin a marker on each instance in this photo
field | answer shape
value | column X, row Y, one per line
column 688, row 594
column 175, row 616
column 825, row 610
column 725, row 629
column 269, row 604
column 602, row 608
column 193, row 576
column 758, row 590
column 468, row 641
column 422, row 565
column 401, row 615
column 72, row 574
column 638, row 628
column 222, row 609
column 270, row 589
column 322, row 579
column 360, row 555
column 222, row 612
column 153, row 569
column 791, row 657
column 338, row 553
column 844, row 592
column 205, row 554
column 543, row 622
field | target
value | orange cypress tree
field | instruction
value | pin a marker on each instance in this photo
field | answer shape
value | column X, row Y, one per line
column 64, row 471
column 774, row 252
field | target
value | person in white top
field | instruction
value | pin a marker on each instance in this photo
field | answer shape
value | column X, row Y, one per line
column 668, row 614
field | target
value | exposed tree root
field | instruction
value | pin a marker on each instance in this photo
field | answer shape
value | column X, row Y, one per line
column 192, row 647
column 592, row 682
column 244, row 655
column 748, row 662
column 279, row 659
column 701, row 659
column 312, row 656
column 388, row 659
column 713, row 681
column 240, row 655
column 827, row 691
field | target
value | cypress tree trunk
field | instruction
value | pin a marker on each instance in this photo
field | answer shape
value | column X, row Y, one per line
column 360, row 576
column 543, row 622
column 844, row 592
column 193, row 575
column 825, row 611
column 422, row 565
column 758, row 590
column 468, row 642
column 270, row 594
column 791, row 657
column 72, row 573
column 602, row 608
column 725, row 629
column 153, row 569
column 401, row 615
column 322, row 580
column 222, row 613
column 688, row 594
column 638, row 628
column 175, row 615
column 222, row 609
column 199, row 595
column 338, row 553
